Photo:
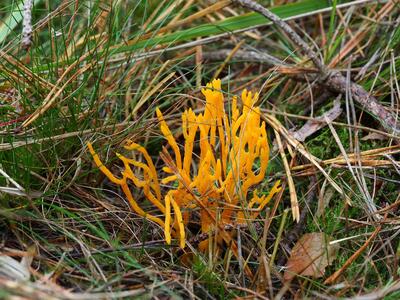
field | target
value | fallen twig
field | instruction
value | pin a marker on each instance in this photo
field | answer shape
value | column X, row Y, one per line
column 336, row 82
column 244, row 55
column 254, row 6
column 333, row 80
column 27, row 25
column 312, row 126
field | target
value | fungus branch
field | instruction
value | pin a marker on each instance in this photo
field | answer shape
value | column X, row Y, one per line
column 231, row 158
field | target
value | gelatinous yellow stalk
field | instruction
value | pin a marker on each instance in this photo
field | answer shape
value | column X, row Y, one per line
column 224, row 156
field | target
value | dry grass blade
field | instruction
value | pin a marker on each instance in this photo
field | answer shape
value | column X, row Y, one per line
column 360, row 34
column 147, row 95
column 300, row 148
column 27, row 73
column 121, row 126
column 51, row 291
column 199, row 68
column 371, row 208
column 366, row 158
column 336, row 275
column 228, row 58
column 215, row 7
column 56, row 91
column 292, row 188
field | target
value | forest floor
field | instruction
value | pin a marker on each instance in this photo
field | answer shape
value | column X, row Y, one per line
column 325, row 171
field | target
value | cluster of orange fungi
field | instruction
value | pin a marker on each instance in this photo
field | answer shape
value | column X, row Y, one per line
column 224, row 156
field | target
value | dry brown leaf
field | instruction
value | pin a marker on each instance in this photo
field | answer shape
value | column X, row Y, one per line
column 310, row 256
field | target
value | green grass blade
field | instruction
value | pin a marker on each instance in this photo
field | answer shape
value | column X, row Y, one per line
column 232, row 24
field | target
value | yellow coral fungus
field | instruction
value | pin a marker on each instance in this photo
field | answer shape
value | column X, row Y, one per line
column 215, row 175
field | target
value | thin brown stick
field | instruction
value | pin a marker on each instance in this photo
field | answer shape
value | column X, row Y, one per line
column 27, row 25
column 333, row 80
column 258, row 56
column 336, row 82
column 254, row 6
